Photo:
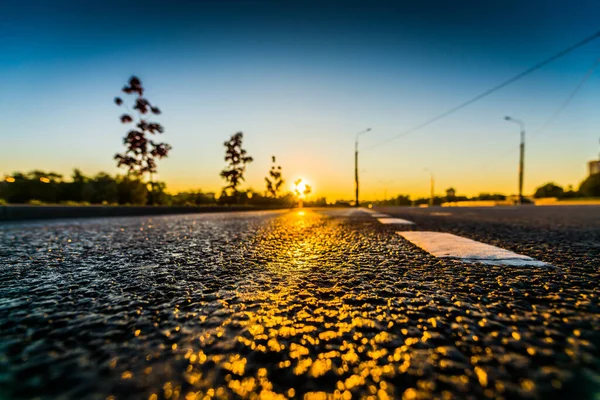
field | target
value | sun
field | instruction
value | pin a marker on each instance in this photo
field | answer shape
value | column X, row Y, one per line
column 301, row 188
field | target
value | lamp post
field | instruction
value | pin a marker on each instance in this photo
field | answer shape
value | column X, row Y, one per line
column 356, row 164
column 431, row 187
column 521, row 155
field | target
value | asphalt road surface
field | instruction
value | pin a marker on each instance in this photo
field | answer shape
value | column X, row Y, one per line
column 300, row 304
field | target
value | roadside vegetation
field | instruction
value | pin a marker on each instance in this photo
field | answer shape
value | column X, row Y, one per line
column 406, row 200
column 588, row 190
column 139, row 165
column 40, row 187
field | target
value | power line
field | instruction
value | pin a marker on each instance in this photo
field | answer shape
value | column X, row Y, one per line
column 490, row 91
column 568, row 99
column 561, row 108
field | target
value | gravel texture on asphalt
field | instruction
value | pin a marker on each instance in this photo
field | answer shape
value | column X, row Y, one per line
column 289, row 305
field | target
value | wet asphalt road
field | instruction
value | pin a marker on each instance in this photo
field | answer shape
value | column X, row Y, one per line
column 298, row 305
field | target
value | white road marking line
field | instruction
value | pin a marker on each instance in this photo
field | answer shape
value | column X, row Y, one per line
column 447, row 245
column 386, row 218
column 338, row 212
column 441, row 214
column 395, row 221
column 368, row 210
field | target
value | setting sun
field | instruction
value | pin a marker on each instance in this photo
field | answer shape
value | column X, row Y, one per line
column 301, row 188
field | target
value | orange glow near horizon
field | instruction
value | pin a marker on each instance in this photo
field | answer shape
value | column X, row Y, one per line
column 299, row 187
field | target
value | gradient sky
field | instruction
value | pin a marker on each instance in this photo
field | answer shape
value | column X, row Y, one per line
column 300, row 79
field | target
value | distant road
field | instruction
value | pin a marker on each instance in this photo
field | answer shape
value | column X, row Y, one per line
column 303, row 303
column 573, row 215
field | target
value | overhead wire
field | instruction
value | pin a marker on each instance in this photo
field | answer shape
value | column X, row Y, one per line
column 560, row 109
column 567, row 100
column 489, row 91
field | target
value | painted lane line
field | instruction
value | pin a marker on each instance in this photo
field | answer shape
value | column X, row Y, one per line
column 395, row 221
column 380, row 215
column 367, row 210
column 447, row 245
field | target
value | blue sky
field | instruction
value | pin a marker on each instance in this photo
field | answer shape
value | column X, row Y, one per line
column 300, row 79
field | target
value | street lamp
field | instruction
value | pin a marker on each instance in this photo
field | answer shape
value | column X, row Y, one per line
column 431, row 187
column 356, row 163
column 521, row 155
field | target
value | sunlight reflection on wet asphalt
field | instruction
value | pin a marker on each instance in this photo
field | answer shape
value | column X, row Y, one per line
column 277, row 305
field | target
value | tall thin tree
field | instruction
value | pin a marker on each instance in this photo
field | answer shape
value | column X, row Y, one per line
column 236, row 158
column 141, row 151
column 275, row 181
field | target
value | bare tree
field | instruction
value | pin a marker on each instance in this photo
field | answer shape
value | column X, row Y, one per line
column 276, row 181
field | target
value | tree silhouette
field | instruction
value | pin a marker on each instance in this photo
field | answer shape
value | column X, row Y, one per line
column 590, row 187
column 550, row 189
column 297, row 183
column 142, row 152
column 307, row 190
column 274, row 184
column 237, row 158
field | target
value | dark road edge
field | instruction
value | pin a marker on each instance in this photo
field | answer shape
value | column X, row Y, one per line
column 27, row 213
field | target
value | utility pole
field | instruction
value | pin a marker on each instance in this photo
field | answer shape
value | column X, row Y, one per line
column 356, row 202
column 521, row 155
column 432, row 197
column 431, row 187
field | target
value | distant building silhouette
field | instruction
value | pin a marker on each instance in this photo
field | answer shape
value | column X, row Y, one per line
column 594, row 167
